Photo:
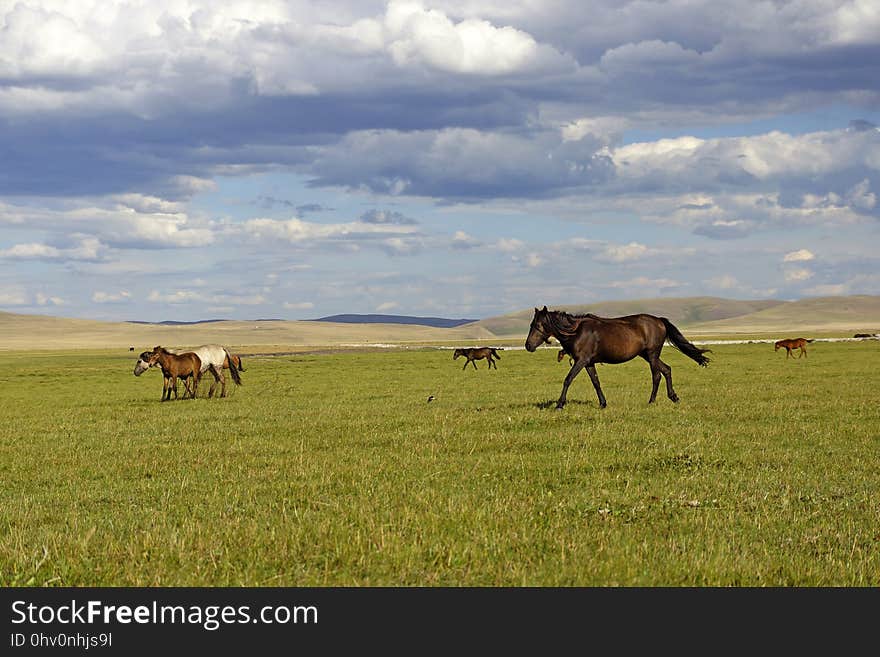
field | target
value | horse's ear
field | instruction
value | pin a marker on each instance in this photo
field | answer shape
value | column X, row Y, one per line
column 544, row 309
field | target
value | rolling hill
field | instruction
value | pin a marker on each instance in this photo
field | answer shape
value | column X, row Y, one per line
column 680, row 311
column 26, row 332
column 437, row 322
column 842, row 316
column 851, row 314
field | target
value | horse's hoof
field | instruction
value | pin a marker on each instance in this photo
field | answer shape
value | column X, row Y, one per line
column 559, row 408
column 674, row 399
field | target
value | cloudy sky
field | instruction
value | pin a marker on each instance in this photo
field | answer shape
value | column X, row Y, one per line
column 187, row 159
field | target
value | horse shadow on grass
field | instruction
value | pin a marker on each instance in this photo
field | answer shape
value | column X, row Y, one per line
column 551, row 403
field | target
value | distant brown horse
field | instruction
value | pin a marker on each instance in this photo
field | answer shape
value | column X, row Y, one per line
column 562, row 354
column 792, row 343
column 236, row 360
column 175, row 366
column 589, row 340
column 474, row 354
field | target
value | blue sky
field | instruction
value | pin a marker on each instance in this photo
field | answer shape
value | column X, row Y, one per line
column 186, row 160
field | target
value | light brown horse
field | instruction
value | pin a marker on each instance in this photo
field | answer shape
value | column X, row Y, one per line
column 474, row 354
column 175, row 366
column 562, row 354
column 792, row 343
column 236, row 360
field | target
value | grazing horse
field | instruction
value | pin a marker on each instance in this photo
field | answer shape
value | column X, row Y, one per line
column 176, row 366
column 792, row 343
column 474, row 354
column 589, row 339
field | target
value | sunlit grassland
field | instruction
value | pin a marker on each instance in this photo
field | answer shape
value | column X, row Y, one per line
column 334, row 469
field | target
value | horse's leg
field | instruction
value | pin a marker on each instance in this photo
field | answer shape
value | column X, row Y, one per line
column 667, row 374
column 466, row 364
column 474, row 363
column 213, row 383
column 173, row 386
column 573, row 372
column 653, row 363
column 594, row 377
column 218, row 372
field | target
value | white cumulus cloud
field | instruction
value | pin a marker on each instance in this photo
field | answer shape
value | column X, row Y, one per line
column 801, row 255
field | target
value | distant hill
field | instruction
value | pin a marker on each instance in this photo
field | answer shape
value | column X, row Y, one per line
column 172, row 322
column 856, row 313
column 436, row 322
column 680, row 311
column 841, row 316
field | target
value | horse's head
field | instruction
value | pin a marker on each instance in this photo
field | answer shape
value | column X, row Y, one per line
column 776, row 347
column 539, row 332
column 143, row 363
column 456, row 354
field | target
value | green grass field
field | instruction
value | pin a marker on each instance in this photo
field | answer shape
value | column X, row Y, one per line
column 333, row 470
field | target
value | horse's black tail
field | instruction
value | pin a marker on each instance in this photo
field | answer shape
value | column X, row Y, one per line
column 232, row 368
column 495, row 353
column 240, row 364
column 677, row 340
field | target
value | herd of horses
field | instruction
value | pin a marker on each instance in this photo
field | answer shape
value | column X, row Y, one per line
column 189, row 366
column 586, row 339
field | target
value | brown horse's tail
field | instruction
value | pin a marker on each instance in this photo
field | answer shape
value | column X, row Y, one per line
column 233, row 370
column 677, row 340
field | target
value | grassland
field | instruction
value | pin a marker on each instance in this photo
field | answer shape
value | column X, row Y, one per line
column 333, row 469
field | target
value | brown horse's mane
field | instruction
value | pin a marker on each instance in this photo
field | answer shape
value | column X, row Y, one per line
column 566, row 323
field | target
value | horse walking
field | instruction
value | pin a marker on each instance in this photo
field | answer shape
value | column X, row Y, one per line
column 590, row 339
column 214, row 358
column 474, row 354
column 175, row 366
column 792, row 343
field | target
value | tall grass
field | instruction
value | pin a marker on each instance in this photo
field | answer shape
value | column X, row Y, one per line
column 333, row 469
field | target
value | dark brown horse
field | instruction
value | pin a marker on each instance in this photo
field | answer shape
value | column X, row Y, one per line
column 176, row 366
column 792, row 343
column 474, row 354
column 589, row 339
